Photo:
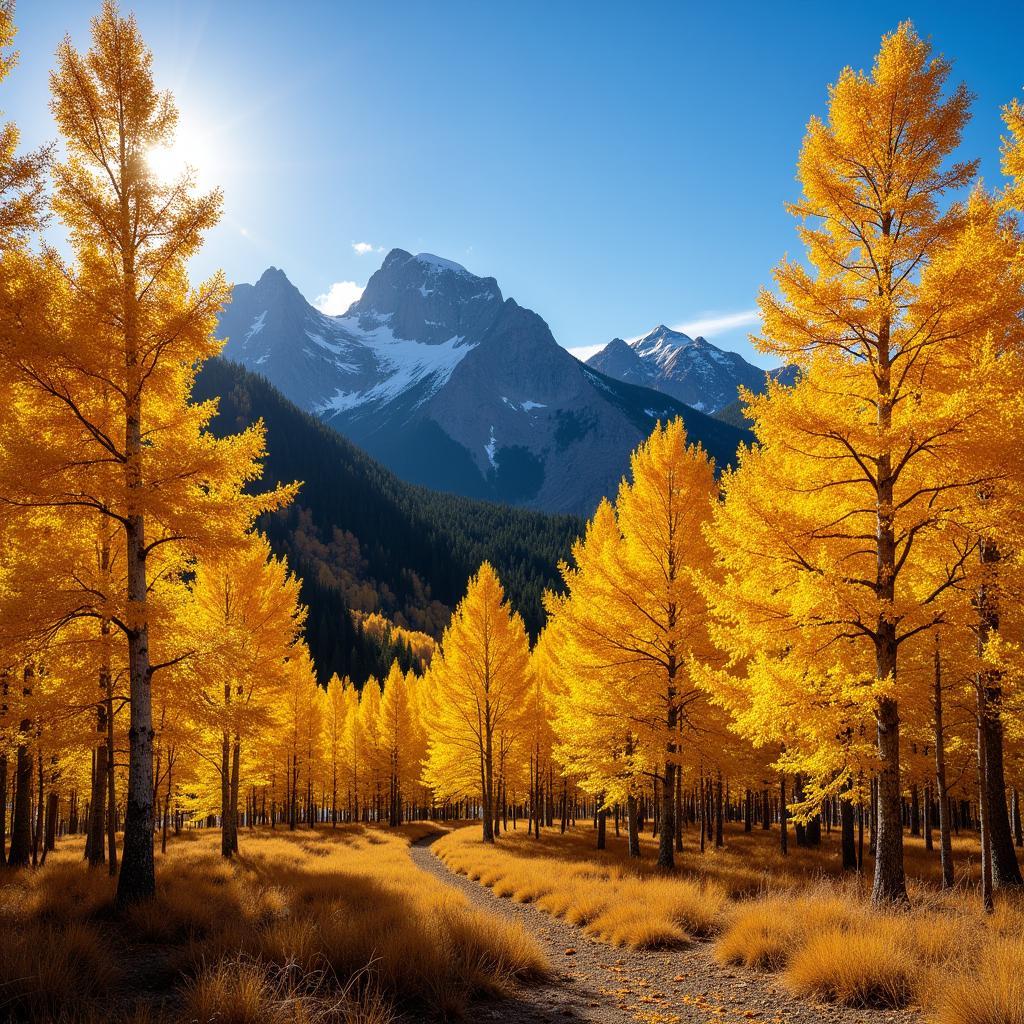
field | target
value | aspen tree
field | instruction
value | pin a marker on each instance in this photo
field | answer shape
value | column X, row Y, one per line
column 21, row 175
column 246, row 617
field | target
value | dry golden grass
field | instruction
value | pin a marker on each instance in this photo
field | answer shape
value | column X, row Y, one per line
column 831, row 944
column 332, row 925
column 797, row 915
column 47, row 970
column 246, row 991
column 855, row 968
column 614, row 901
column 991, row 994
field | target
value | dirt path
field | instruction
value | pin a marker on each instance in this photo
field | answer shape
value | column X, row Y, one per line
column 597, row 983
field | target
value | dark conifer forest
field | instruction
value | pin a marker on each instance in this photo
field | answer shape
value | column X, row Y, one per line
column 361, row 539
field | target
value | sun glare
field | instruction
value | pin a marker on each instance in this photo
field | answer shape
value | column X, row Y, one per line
column 188, row 151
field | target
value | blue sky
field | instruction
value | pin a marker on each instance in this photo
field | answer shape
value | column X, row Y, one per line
column 613, row 166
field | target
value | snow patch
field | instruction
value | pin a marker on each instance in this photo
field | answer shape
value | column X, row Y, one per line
column 526, row 406
column 597, row 382
column 255, row 327
column 401, row 364
column 437, row 264
column 492, row 448
column 318, row 339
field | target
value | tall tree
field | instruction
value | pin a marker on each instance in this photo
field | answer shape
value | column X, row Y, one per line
column 21, row 175
column 246, row 618
column 635, row 623
column 108, row 361
column 477, row 688
column 858, row 462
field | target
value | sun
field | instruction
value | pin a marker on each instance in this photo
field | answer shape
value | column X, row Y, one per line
column 189, row 150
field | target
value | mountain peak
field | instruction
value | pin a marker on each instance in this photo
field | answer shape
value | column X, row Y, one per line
column 272, row 276
column 428, row 298
column 661, row 340
column 274, row 285
column 691, row 370
column 453, row 385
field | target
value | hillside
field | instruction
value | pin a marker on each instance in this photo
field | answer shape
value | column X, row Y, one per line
column 362, row 539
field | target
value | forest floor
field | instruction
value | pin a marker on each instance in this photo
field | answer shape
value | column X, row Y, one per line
column 595, row 982
column 332, row 926
column 369, row 925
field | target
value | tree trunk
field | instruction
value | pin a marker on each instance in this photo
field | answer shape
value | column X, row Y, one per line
column 849, row 848
column 96, row 828
column 37, row 834
column 983, row 822
column 783, row 816
column 890, row 881
column 602, row 823
column 50, row 834
column 929, row 842
column 487, row 784
column 21, row 825
column 1018, row 829
column 226, row 849
column 137, row 880
column 167, row 800
column 666, row 824
column 1005, row 869
column 3, row 810
column 945, row 839
column 632, row 826
column 719, row 827
column 236, row 755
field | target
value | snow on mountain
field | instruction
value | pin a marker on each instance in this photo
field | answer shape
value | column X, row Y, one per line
column 452, row 385
column 690, row 369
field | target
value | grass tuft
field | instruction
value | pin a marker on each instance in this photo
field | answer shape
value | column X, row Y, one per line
column 864, row 970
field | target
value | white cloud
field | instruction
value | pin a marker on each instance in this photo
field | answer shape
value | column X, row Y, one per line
column 362, row 248
column 584, row 352
column 712, row 324
column 339, row 297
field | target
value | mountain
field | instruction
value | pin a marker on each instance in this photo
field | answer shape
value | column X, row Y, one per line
column 691, row 370
column 734, row 412
column 453, row 386
column 363, row 540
